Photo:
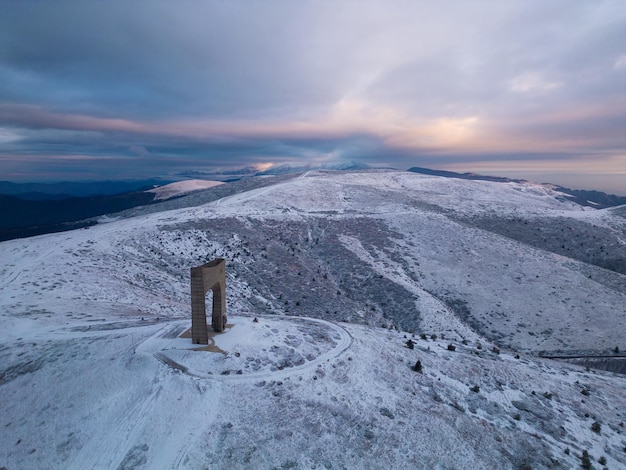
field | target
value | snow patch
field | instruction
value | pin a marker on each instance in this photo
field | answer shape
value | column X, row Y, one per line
column 180, row 188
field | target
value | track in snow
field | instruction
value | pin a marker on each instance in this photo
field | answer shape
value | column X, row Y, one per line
column 342, row 344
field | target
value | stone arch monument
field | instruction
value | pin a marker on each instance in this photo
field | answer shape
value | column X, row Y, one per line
column 211, row 275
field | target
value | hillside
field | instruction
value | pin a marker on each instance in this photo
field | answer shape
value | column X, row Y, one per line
column 340, row 269
column 29, row 214
column 597, row 199
column 181, row 188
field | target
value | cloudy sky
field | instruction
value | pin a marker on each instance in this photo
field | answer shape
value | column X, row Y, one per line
column 123, row 89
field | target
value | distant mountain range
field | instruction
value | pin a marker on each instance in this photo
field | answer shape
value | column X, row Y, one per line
column 286, row 168
column 30, row 209
column 67, row 189
column 24, row 218
column 596, row 199
column 283, row 169
column 36, row 208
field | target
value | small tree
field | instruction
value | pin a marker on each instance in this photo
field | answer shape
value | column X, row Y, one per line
column 418, row 366
column 410, row 344
column 585, row 461
column 602, row 460
column 595, row 427
column 451, row 347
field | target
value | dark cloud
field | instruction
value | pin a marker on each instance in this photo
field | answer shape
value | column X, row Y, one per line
column 149, row 59
column 158, row 85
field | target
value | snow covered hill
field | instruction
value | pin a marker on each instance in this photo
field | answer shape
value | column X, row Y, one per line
column 340, row 269
column 180, row 188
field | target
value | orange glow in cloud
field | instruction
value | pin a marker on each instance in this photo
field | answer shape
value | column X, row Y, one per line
column 263, row 166
column 394, row 127
column 347, row 117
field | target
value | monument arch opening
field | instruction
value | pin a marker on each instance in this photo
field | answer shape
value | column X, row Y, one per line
column 210, row 276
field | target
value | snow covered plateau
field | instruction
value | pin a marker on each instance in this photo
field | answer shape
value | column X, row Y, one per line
column 338, row 283
column 181, row 188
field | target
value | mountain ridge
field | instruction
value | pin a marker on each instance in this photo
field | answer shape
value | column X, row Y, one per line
column 51, row 211
column 592, row 198
column 376, row 318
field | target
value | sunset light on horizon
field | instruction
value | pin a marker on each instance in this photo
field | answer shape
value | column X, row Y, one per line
column 118, row 90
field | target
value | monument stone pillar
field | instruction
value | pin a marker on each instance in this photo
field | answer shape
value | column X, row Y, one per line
column 209, row 276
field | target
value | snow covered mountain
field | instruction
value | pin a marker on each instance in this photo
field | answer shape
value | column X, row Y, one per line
column 340, row 270
column 273, row 170
column 181, row 188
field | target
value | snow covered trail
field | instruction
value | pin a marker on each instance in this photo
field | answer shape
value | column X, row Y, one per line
column 107, row 448
column 156, row 429
column 156, row 425
column 342, row 342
